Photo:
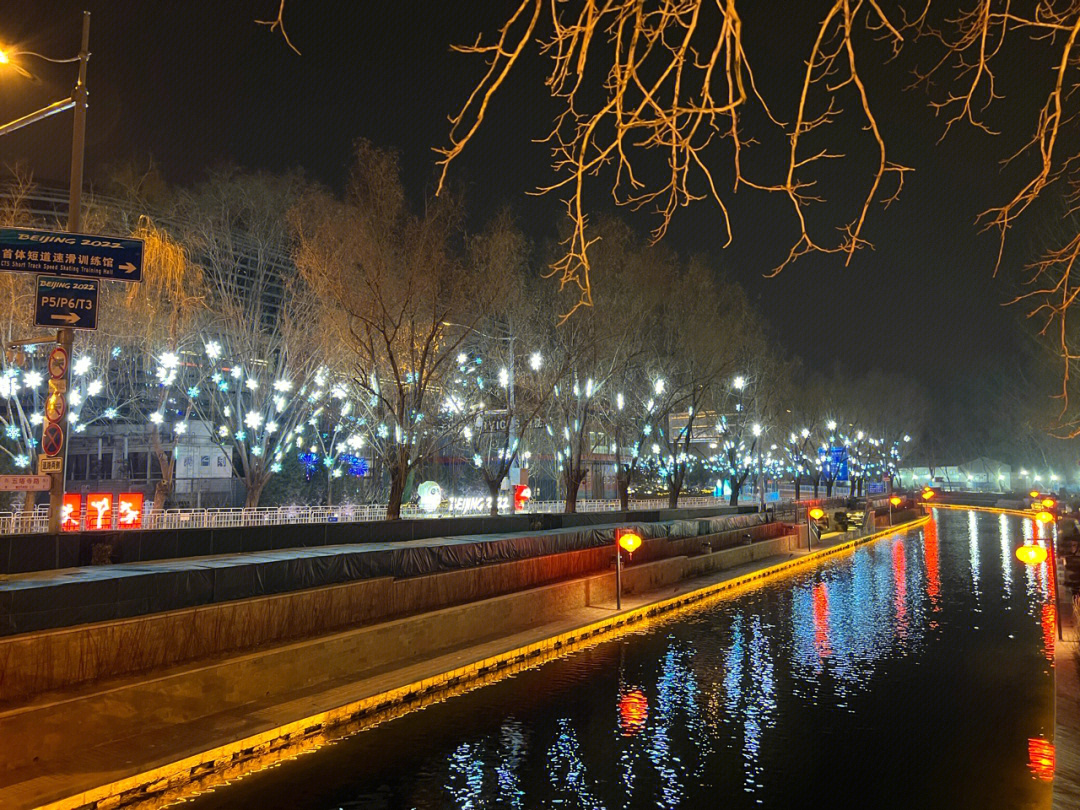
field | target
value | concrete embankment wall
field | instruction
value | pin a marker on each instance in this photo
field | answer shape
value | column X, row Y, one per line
column 187, row 694
column 33, row 663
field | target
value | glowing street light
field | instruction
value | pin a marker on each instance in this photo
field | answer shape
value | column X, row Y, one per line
column 816, row 513
column 893, row 501
column 630, row 541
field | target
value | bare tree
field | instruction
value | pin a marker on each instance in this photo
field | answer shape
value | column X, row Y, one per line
column 401, row 300
column 248, row 381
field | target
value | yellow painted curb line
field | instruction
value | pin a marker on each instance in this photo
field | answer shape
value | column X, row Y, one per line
column 223, row 764
column 997, row 510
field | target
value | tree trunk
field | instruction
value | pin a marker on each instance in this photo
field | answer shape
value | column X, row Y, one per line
column 735, row 487
column 397, row 489
column 254, row 492
column 676, row 489
column 571, row 500
column 828, row 489
column 622, row 482
column 798, row 481
column 162, row 490
column 493, row 489
column 329, row 486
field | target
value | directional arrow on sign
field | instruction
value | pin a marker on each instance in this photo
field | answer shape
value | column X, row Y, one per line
column 128, row 268
column 70, row 318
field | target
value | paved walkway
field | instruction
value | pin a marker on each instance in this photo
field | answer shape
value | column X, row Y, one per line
column 135, row 755
column 1067, row 711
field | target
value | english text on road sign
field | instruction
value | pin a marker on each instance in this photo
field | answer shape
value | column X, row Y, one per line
column 24, row 483
column 66, row 302
column 58, row 362
column 48, row 465
column 80, row 255
column 52, row 439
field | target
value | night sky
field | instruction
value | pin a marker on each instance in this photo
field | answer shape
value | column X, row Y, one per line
column 193, row 83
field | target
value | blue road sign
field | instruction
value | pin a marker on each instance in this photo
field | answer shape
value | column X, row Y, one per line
column 78, row 255
column 70, row 302
column 834, row 462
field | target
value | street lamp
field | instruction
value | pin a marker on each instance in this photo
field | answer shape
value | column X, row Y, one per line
column 817, row 513
column 65, row 336
column 893, row 501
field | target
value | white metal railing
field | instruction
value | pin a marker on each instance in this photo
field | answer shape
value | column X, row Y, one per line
column 37, row 521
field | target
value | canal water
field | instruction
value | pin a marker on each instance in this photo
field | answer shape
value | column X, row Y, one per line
column 914, row 672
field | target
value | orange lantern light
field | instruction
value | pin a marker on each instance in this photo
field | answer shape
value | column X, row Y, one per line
column 817, row 513
column 1031, row 554
column 1044, row 517
column 131, row 510
column 1049, row 503
column 1034, row 493
column 630, row 542
column 895, row 500
column 928, row 494
column 71, row 512
column 99, row 507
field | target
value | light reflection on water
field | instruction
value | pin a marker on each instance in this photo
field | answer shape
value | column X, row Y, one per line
column 910, row 673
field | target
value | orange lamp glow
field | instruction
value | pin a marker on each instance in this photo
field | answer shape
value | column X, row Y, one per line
column 630, row 542
column 817, row 513
column 99, row 506
column 131, row 510
column 895, row 500
column 1034, row 493
column 1044, row 517
column 928, row 494
column 1031, row 555
column 1049, row 503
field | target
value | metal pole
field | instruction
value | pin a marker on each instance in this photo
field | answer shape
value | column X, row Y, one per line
column 66, row 337
column 809, row 529
column 1053, row 573
column 618, row 575
column 761, row 483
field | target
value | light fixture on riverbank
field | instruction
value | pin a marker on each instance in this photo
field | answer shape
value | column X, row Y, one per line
column 893, row 501
column 630, row 541
column 817, row 513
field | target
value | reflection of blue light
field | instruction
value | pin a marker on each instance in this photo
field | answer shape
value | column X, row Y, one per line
column 567, row 771
column 506, row 772
column 466, row 777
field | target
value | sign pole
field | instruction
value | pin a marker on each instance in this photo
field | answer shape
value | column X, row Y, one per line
column 66, row 336
column 618, row 577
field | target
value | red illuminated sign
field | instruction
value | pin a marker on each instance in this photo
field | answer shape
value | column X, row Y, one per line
column 99, row 507
column 70, row 513
column 131, row 510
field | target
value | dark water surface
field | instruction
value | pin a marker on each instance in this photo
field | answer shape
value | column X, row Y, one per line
column 913, row 673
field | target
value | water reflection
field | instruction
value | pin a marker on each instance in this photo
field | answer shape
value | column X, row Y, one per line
column 754, row 700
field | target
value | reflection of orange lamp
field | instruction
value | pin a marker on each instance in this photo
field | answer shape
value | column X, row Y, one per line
column 817, row 513
column 1041, row 758
column 1048, row 503
column 633, row 712
column 1031, row 554
column 1044, row 517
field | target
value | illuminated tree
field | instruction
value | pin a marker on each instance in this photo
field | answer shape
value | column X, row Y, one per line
column 401, row 303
